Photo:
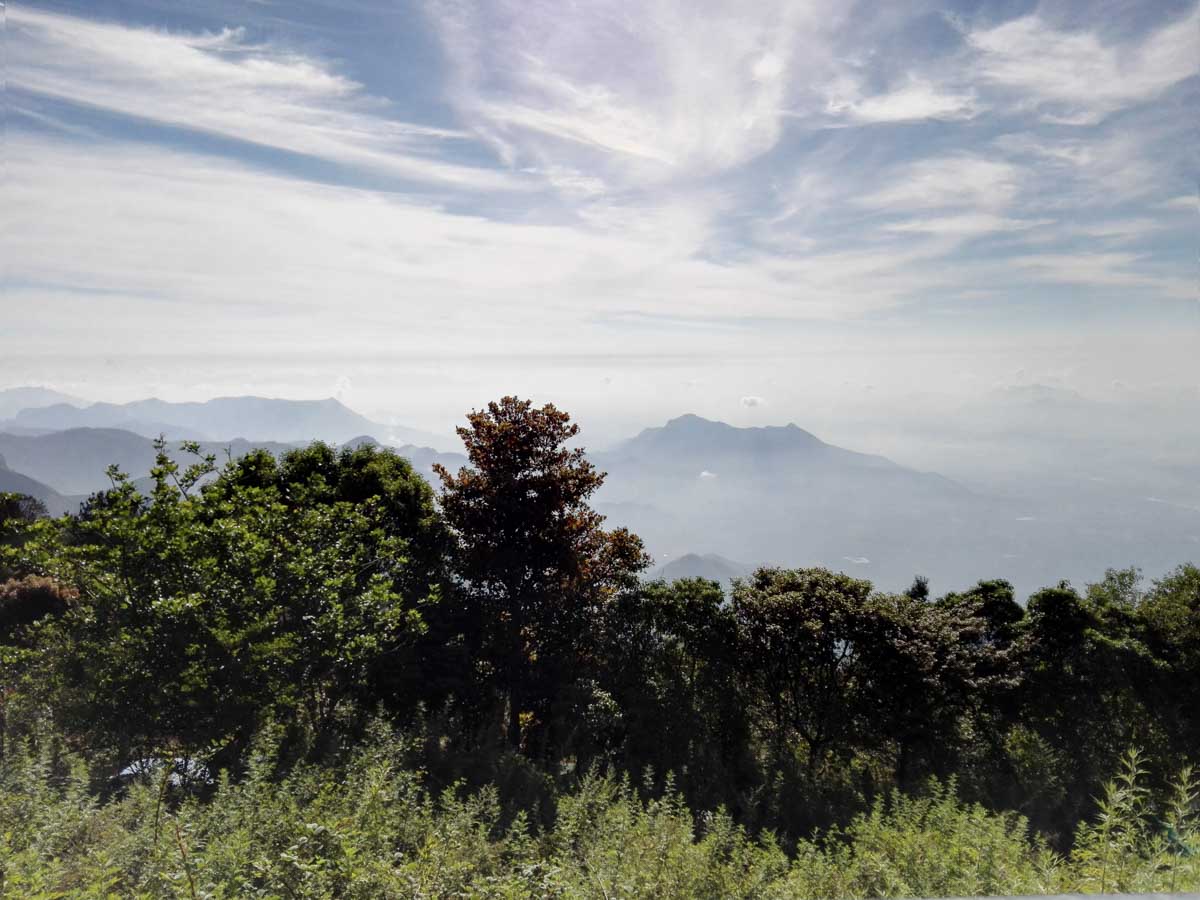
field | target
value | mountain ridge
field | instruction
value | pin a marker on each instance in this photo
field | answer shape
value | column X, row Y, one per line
column 225, row 418
column 74, row 461
column 691, row 435
column 12, row 482
column 14, row 399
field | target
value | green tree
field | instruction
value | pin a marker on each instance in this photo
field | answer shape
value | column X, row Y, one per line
column 921, row 678
column 535, row 565
column 268, row 587
column 1170, row 613
column 988, row 621
column 18, row 512
column 19, row 509
column 801, row 633
column 670, row 661
column 1084, row 663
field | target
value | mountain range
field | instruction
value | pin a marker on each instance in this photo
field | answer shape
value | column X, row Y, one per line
column 700, row 493
column 13, row 400
column 74, row 461
column 219, row 419
column 782, row 496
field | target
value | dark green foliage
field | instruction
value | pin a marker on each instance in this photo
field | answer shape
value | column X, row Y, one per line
column 1170, row 612
column 671, row 654
column 274, row 588
column 506, row 629
column 801, row 635
column 19, row 509
column 17, row 513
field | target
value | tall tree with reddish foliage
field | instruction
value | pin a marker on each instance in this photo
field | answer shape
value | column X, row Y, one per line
column 534, row 557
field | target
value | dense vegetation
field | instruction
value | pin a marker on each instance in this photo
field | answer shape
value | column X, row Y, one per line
column 309, row 676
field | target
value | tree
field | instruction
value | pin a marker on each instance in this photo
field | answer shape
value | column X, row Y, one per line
column 266, row 588
column 1171, row 616
column 670, row 661
column 19, row 509
column 534, row 563
column 17, row 513
column 800, row 634
column 923, row 673
column 24, row 601
column 1083, row 660
column 919, row 589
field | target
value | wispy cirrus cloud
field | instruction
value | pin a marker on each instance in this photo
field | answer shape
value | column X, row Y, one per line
column 1186, row 202
column 1076, row 78
column 641, row 92
column 914, row 100
column 622, row 164
column 187, row 244
column 221, row 83
column 967, row 224
column 960, row 180
column 1106, row 270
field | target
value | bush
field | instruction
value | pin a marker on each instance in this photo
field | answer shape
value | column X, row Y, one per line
column 372, row 826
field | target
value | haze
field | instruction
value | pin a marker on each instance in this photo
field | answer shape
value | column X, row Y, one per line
column 959, row 234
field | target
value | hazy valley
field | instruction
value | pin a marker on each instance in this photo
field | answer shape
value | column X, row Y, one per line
column 714, row 500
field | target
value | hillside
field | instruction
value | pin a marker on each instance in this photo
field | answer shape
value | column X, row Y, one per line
column 74, row 461
column 772, row 493
column 16, row 483
column 225, row 418
column 781, row 494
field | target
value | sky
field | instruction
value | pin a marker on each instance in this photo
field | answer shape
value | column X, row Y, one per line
column 787, row 210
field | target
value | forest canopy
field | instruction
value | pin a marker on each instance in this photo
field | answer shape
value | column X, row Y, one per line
column 285, row 675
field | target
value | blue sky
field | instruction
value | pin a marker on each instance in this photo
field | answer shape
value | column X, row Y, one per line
column 645, row 206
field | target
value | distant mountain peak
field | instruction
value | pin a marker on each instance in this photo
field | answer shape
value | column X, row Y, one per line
column 711, row 566
column 692, row 432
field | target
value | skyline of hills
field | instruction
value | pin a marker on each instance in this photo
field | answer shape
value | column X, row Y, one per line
column 697, row 489
column 218, row 419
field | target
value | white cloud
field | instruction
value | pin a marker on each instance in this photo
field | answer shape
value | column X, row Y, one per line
column 963, row 181
column 1105, row 270
column 707, row 475
column 1074, row 77
column 752, row 402
column 643, row 121
column 342, row 387
column 1094, row 168
column 129, row 240
column 916, row 100
column 221, row 84
column 642, row 92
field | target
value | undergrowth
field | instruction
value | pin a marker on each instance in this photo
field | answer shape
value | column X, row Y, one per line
column 372, row 827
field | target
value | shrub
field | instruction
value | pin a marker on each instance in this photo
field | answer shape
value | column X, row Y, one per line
column 373, row 826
